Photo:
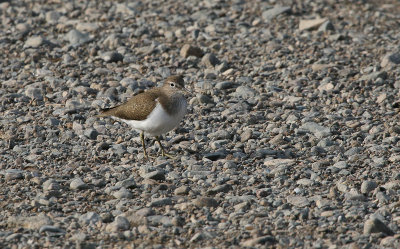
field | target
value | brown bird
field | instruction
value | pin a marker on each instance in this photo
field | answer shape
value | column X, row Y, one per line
column 155, row 111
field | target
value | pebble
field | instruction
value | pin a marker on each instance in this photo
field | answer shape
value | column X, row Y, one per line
column 375, row 225
column 76, row 38
column 182, row 190
column 188, row 50
column 52, row 229
column 224, row 85
column 390, row 59
column 205, row 202
column 112, row 57
column 157, row 175
column 264, row 240
column 91, row 133
column 210, row 60
column 119, row 224
column 298, row 201
column 34, row 93
column 246, row 135
column 318, row 130
column 161, row 202
column 275, row 11
column 34, row 42
column 326, row 26
column 368, row 186
column 89, row 218
column 123, row 193
column 311, row 24
column 245, row 92
column 12, row 174
column 78, row 184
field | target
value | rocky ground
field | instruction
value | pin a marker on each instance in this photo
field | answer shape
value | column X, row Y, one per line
column 291, row 140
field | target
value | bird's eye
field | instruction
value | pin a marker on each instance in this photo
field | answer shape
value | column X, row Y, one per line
column 172, row 84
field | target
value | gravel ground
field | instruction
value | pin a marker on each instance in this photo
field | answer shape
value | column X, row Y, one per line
column 291, row 140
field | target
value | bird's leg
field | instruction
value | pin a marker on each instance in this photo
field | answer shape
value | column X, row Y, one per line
column 163, row 153
column 143, row 144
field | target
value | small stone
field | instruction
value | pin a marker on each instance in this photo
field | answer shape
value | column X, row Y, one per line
column 210, row 74
column 304, row 182
column 52, row 229
column 89, row 218
column 76, row 37
column 328, row 213
column 322, row 203
column 221, row 188
column 119, row 149
column 298, row 201
column 224, row 85
column 23, row 27
column 368, row 186
column 182, row 190
column 391, row 59
column 123, row 193
column 112, row 41
column 209, row 60
column 326, row 26
column 271, row 13
column 214, row 156
column 52, row 122
column 341, row 165
column 161, row 202
column 204, row 99
column 220, row 134
column 31, row 222
column 52, row 16
column 157, row 175
column 127, row 183
column 264, row 240
column 14, row 236
column 201, row 236
column 382, row 197
column 112, row 57
column 125, row 9
column 390, row 242
column 245, row 92
column 34, row 42
column 12, row 174
column 34, row 93
column 263, row 192
column 375, row 225
column 246, row 135
column 318, row 130
column 78, row 184
column 50, row 185
column 91, row 133
column 119, row 224
column 311, row 24
column 381, row 98
column 87, row 26
column 188, row 50
column 144, row 212
column 205, row 202
column 327, row 87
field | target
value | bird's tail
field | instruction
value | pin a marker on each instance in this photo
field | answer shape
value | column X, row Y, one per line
column 105, row 112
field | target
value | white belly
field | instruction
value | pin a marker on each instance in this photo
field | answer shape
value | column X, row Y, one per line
column 159, row 121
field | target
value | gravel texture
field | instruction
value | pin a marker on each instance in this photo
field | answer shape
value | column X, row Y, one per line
column 291, row 140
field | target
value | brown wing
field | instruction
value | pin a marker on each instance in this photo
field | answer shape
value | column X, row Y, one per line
column 137, row 108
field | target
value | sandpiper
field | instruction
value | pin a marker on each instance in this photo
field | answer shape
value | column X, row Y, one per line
column 155, row 111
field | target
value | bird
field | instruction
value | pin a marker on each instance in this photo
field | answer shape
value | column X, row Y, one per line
column 155, row 111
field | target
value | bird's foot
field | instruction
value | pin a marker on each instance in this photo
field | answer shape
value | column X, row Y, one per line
column 164, row 154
